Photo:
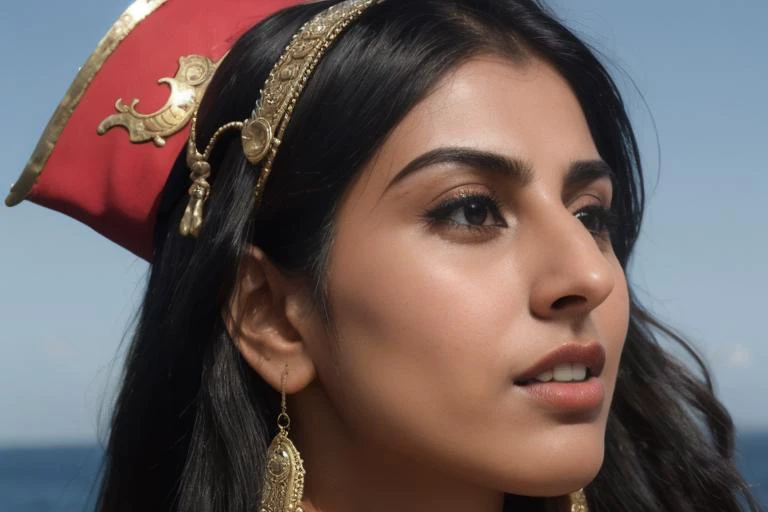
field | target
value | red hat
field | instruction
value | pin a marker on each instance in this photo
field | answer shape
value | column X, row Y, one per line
column 110, row 145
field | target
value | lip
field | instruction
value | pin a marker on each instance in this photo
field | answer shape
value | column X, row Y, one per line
column 591, row 354
column 587, row 395
column 582, row 396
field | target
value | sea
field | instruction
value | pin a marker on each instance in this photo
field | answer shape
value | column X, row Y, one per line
column 62, row 479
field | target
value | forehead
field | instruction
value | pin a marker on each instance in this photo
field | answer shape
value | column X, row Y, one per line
column 524, row 110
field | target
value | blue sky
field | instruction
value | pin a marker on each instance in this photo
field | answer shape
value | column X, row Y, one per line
column 695, row 78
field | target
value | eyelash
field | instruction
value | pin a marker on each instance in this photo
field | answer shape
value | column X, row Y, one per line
column 442, row 213
column 607, row 219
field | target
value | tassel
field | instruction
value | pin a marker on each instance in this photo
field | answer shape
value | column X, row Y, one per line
column 199, row 191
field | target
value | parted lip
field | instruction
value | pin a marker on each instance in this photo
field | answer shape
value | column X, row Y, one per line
column 591, row 354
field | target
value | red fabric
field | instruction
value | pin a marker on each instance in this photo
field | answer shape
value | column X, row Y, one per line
column 105, row 181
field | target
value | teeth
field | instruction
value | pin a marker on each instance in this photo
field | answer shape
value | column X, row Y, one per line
column 578, row 371
column 565, row 372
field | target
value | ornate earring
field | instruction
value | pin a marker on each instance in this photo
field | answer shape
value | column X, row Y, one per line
column 578, row 501
column 284, row 475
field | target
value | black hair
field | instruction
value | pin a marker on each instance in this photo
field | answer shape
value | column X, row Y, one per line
column 192, row 420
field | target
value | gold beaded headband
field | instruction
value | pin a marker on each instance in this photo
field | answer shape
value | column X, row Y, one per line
column 262, row 132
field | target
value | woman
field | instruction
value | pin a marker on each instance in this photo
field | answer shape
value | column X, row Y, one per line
column 432, row 277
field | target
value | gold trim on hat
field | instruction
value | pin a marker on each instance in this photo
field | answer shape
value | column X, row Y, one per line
column 133, row 15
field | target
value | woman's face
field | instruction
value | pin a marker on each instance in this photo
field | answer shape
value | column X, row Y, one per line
column 470, row 249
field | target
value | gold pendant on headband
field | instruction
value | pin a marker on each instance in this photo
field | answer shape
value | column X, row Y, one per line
column 187, row 88
column 192, row 220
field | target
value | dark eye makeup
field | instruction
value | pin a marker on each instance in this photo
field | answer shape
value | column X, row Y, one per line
column 602, row 222
column 482, row 212
column 475, row 211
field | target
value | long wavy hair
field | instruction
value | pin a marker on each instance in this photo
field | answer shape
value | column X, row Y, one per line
column 192, row 420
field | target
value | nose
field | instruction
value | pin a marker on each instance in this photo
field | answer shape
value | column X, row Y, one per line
column 572, row 273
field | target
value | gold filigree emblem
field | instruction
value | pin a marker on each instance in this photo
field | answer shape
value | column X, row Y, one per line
column 284, row 478
column 579, row 501
column 187, row 88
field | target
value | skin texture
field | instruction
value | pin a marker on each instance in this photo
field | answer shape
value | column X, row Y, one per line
column 409, row 402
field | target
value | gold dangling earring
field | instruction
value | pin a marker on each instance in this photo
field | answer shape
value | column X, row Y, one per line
column 284, row 475
column 578, row 501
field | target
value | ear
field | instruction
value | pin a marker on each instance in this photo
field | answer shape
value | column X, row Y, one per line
column 266, row 316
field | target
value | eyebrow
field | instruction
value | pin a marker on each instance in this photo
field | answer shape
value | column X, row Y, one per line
column 580, row 172
column 584, row 172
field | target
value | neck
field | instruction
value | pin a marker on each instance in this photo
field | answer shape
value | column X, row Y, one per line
column 347, row 474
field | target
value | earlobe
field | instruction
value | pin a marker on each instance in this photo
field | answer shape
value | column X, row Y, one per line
column 265, row 319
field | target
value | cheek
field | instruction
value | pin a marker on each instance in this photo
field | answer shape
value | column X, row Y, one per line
column 427, row 335
column 422, row 334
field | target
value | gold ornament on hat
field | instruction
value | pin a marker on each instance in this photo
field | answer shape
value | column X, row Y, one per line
column 187, row 88
column 262, row 132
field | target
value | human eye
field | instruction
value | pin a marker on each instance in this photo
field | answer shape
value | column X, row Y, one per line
column 477, row 211
column 600, row 221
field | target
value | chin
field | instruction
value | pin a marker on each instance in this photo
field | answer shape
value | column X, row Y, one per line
column 547, row 467
column 559, row 477
column 558, row 485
